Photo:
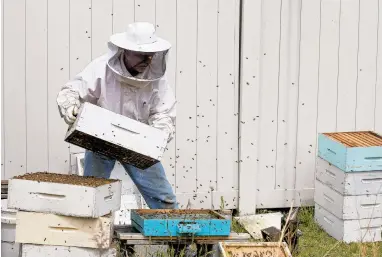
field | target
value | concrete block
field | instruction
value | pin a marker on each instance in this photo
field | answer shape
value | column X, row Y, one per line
column 30, row 250
column 10, row 249
column 51, row 229
column 64, row 199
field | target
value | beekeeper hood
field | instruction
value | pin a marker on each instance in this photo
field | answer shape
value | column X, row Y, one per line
column 138, row 56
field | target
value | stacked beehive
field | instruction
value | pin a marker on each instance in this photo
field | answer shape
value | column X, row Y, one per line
column 348, row 186
column 64, row 215
column 8, row 230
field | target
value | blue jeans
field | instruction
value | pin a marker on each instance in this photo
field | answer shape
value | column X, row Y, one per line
column 152, row 183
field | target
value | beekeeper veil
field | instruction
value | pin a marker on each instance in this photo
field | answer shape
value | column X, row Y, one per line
column 138, row 56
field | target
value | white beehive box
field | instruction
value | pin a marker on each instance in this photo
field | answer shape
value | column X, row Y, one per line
column 52, row 229
column 30, row 250
column 349, row 231
column 348, row 183
column 10, row 249
column 116, row 136
column 8, row 223
column 65, row 199
column 348, row 207
column 128, row 202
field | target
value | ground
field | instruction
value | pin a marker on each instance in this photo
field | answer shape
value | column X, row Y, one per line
column 317, row 243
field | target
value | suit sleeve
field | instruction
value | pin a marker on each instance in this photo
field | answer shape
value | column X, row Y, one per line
column 163, row 111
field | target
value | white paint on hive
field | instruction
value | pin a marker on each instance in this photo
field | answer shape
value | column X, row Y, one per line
column 60, row 198
column 51, row 229
column 9, row 249
column 30, row 250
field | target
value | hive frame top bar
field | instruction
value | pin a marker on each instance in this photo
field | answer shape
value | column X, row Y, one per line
column 356, row 138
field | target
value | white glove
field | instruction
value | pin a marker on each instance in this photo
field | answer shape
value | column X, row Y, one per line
column 71, row 114
column 68, row 102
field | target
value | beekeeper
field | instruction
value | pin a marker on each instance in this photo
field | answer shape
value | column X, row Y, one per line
column 128, row 80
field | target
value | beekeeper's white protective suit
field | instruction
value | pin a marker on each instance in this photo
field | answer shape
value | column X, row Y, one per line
column 128, row 80
column 106, row 82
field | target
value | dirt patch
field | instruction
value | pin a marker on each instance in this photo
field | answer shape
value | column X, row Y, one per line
column 66, row 179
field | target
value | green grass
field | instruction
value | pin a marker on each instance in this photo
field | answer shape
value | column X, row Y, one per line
column 316, row 243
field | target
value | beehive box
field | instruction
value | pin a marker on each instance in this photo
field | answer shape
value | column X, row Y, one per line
column 4, row 189
column 266, row 249
column 352, row 151
column 349, row 231
column 30, row 250
column 11, row 249
column 348, row 183
column 116, row 136
column 52, row 229
column 164, row 223
column 8, row 223
column 69, row 195
column 348, row 207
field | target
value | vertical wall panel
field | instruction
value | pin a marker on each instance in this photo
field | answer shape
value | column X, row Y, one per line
column 249, row 96
column 227, row 97
column 166, row 27
column 36, row 85
column 58, row 75
column 63, row 36
column 347, row 67
column 186, row 96
column 145, row 10
column 288, row 95
column 328, row 72
column 378, row 87
column 207, row 94
column 269, row 65
column 2, row 94
column 80, row 42
column 123, row 14
column 308, row 93
column 102, row 26
column 14, row 93
column 367, row 65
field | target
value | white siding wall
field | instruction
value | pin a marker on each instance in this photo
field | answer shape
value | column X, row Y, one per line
column 308, row 66
column 48, row 42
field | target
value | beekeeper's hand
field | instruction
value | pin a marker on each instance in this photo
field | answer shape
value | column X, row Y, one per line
column 68, row 102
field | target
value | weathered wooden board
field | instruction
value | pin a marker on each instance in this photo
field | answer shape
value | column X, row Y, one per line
column 269, row 249
column 51, row 229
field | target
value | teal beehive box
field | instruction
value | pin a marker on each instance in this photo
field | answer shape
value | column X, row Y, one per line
column 168, row 223
column 352, row 151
